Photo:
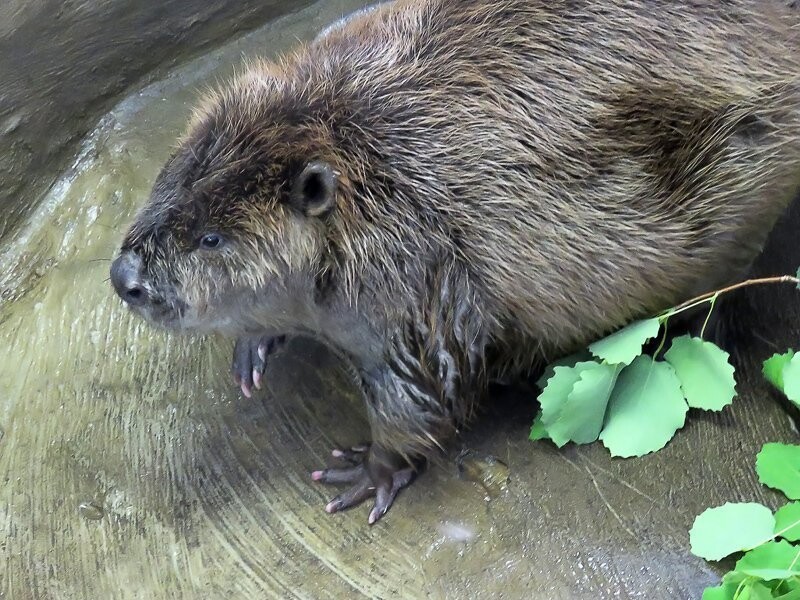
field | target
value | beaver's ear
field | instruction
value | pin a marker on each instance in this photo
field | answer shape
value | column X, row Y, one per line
column 314, row 189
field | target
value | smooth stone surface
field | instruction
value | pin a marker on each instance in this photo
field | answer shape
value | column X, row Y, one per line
column 64, row 63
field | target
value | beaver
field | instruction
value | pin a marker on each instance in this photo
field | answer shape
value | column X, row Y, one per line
column 448, row 192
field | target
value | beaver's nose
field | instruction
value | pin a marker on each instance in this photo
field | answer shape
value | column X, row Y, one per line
column 126, row 279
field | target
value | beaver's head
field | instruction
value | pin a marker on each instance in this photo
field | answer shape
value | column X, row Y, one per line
column 239, row 214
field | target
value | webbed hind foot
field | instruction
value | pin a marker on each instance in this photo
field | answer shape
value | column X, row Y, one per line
column 372, row 472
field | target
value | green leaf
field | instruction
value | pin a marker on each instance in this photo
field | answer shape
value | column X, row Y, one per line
column 773, row 560
column 646, row 409
column 755, row 590
column 721, row 531
column 704, row 370
column 727, row 589
column 559, row 386
column 791, row 380
column 555, row 394
column 538, row 431
column 567, row 361
column 787, row 521
column 798, row 276
column 793, row 588
column 773, row 368
column 581, row 415
column 626, row 344
column 778, row 466
column 733, row 577
column 783, row 371
column 720, row 592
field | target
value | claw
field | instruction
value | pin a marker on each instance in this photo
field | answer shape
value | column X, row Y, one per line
column 354, row 455
column 377, row 512
column 249, row 361
column 352, row 497
column 338, row 476
column 385, row 496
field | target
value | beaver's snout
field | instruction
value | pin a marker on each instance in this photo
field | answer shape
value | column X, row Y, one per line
column 127, row 280
column 156, row 302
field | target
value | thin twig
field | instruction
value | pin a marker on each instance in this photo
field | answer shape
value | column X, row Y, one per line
column 709, row 295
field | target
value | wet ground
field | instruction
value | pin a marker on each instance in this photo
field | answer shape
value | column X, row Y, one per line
column 131, row 466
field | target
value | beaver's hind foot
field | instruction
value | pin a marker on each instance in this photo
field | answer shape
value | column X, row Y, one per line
column 373, row 472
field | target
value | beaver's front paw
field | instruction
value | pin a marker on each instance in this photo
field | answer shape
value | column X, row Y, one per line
column 250, row 359
column 373, row 472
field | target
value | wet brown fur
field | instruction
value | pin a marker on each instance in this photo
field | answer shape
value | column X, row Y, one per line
column 514, row 176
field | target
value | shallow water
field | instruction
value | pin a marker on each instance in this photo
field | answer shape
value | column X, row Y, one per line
column 131, row 467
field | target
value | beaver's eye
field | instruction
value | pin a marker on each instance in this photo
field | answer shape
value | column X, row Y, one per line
column 211, row 241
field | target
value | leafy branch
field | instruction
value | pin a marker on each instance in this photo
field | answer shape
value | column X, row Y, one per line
column 635, row 403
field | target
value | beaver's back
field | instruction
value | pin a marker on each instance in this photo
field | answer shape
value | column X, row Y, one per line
column 585, row 162
column 588, row 161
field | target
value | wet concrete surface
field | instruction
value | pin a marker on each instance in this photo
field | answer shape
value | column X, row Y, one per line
column 131, row 466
